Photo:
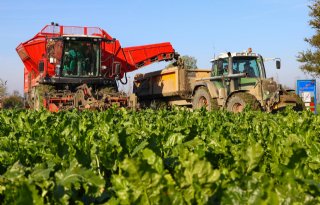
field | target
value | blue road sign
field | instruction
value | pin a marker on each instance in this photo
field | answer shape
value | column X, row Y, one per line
column 307, row 90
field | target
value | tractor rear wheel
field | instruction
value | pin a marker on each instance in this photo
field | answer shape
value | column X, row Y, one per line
column 202, row 98
column 239, row 101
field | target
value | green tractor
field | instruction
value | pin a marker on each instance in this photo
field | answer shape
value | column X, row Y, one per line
column 238, row 80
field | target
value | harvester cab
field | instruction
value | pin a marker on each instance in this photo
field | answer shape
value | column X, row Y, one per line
column 75, row 57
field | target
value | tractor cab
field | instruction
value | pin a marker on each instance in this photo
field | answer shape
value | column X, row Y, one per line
column 244, row 62
column 239, row 71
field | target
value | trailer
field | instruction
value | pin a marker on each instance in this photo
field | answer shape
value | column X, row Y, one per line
column 172, row 86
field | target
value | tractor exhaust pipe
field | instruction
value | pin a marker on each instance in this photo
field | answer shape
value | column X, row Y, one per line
column 230, row 71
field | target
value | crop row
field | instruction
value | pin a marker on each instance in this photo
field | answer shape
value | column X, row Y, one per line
column 159, row 157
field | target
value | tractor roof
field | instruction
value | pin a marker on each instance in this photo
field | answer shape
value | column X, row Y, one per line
column 235, row 54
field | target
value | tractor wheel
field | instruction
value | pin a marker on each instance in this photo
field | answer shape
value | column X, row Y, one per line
column 202, row 98
column 239, row 101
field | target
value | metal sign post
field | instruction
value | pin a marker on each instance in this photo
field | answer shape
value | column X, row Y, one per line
column 307, row 90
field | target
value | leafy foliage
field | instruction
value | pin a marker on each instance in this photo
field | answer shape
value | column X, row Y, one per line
column 159, row 157
column 12, row 101
column 186, row 61
column 311, row 57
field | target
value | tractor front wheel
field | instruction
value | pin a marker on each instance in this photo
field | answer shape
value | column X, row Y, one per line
column 239, row 101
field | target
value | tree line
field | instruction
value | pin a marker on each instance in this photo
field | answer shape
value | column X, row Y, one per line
column 310, row 58
column 9, row 101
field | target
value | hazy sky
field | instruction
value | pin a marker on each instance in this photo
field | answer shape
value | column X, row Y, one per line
column 273, row 28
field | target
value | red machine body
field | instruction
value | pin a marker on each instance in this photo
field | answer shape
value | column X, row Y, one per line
column 66, row 57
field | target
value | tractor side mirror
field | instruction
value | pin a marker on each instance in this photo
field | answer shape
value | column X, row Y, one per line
column 278, row 64
column 41, row 66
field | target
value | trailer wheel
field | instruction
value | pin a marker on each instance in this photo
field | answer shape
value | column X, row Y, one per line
column 202, row 98
column 239, row 101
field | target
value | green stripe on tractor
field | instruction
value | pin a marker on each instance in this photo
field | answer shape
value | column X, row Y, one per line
column 248, row 81
column 218, row 84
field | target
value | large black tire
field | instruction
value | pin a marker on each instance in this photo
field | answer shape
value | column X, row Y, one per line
column 238, row 101
column 202, row 98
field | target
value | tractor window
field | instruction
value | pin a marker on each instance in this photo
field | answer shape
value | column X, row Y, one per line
column 214, row 71
column 220, row 67
column 246, row 65
column 224, row 67
column 81, row 58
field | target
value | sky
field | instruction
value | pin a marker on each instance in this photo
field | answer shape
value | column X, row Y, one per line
column 202, row 29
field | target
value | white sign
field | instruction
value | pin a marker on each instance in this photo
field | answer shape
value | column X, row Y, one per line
column 306, row 96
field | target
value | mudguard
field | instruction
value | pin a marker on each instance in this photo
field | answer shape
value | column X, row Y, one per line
column 213, row 90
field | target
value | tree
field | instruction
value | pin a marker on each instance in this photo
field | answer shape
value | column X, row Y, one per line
column 3, row 88
column 311, row 57
column 12, row 102
column 16, row 93
column 188, row 62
